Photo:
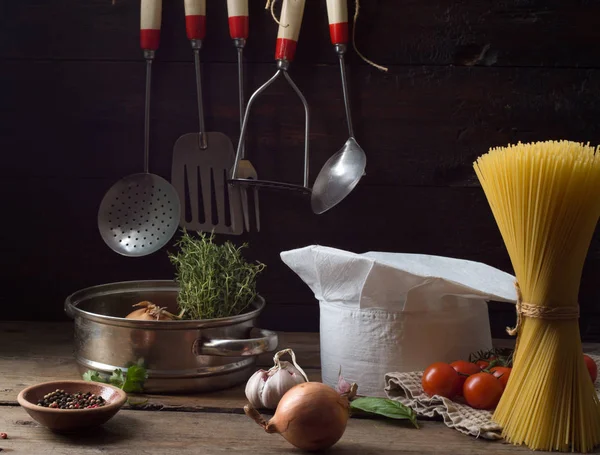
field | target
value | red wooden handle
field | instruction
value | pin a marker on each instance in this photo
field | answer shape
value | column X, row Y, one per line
column 289, row 29
column 195, row 19
column 150, row 19
column 237, row 11
column 337, row 13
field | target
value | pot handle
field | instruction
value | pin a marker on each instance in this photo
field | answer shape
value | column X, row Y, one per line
column 235, row 348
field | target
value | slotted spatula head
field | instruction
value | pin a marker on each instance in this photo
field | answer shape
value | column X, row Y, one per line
column 200, row 176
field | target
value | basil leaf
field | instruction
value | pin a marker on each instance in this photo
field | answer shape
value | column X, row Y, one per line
column 384, row 407
column 134, row 379
column 94, row 376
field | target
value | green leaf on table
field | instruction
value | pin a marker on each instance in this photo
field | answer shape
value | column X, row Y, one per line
column 134, row 403
column 94, row 376
column 134, row 379
column 117, row 378
column 384, row 407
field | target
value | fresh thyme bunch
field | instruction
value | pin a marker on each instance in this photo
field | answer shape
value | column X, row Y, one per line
column 215, row 281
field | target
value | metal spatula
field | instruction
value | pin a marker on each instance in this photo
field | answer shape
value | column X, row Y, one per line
column 202, row 161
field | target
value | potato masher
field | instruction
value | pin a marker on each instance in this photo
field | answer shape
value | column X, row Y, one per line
column 287, row 38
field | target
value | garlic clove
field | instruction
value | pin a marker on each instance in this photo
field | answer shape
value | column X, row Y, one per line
column 284, row 365
column 255, row 386
column 277, row 385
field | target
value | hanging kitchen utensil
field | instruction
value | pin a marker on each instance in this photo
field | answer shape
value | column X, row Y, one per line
column 139, row 214
column 287, row 37
column 342, row 172
column 237, row 11
column 202, row 161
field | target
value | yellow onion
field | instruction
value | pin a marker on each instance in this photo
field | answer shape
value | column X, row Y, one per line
column 150, row 312
column 310, row 416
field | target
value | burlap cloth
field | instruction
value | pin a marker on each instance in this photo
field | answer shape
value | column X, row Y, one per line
column 406, row 388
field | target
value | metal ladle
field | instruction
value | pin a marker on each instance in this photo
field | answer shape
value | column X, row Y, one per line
column 342, row 172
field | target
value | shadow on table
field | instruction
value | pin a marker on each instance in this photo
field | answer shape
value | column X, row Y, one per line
column 352, row 448
column 114, row 431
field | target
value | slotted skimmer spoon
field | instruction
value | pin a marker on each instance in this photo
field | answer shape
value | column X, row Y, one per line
column 237, row 12
column 287, row 38
column 342, row 172
column 139, row 214
column 202, row 161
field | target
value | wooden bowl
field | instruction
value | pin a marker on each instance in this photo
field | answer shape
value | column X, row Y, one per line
column 71, row 419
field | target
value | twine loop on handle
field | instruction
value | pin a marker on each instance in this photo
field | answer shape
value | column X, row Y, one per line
column 271, row 5
column 529, row 310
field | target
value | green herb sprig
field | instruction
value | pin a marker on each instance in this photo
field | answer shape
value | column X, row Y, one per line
column 131, row 381
column 215, row 281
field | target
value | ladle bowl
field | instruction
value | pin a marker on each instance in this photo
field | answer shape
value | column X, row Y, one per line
column 338, row 177
column 342, row 172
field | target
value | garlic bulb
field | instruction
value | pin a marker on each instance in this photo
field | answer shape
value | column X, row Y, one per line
column 264, row 389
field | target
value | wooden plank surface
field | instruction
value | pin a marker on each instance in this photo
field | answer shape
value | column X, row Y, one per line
column 36, row 352
column 147, row 432
column 422, row 127
column 463, row 76
column 393, row 32
column 33, row 352
column 96, row 128
column 202, row 423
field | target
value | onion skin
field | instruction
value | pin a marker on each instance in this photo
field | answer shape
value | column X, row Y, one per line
column 310, row 416
column 150, row 312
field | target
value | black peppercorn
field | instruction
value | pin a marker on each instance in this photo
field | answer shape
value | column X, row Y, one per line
column 61, row 400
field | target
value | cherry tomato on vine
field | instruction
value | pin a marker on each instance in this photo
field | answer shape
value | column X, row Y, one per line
column 464, row 370
column 482, row 364
column 441, row 379
column 482, row 391
column 591, row 366
column 502, row 373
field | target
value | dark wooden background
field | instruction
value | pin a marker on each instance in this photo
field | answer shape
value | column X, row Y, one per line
column 464, row 75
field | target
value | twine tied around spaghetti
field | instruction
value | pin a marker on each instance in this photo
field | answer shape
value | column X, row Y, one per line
column 271, row 5
column 529, row 310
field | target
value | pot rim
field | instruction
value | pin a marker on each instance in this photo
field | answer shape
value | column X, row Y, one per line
column 120, row 287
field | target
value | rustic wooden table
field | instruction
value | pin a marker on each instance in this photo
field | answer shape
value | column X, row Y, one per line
column 211, row 423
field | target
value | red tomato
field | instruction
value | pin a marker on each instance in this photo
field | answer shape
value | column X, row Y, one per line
column 482, row 391
column 502, row 373
column 482, row 364
column 591, row 366
column 464, row 370
column 440, row 379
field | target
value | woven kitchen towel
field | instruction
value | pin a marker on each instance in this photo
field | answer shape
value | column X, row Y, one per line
column 406, row 388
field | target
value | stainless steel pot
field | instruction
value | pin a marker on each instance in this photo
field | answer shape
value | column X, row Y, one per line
column 180, row 356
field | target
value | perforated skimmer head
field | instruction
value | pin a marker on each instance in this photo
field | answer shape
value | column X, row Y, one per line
column 139, row 214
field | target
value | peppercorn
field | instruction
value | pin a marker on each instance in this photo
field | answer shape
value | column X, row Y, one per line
column 59, row 399
column 3, row 436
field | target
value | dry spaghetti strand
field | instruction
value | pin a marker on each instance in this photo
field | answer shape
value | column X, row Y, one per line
column 545, row 198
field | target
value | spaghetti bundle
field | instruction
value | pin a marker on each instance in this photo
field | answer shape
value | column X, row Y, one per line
column 545, row 198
